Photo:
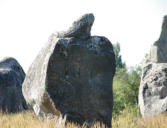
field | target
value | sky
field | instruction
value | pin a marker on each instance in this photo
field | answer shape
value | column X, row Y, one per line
column 25, row 25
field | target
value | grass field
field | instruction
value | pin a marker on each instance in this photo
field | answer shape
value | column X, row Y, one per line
column 127, row 119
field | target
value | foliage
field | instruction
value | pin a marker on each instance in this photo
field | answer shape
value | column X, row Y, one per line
column 118, row 57
column 125, row 88
column 126, row 83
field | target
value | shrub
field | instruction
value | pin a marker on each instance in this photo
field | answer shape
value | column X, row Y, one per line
column 125, row 88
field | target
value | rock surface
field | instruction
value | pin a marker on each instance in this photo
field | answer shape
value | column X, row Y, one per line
column 158, row 53
column 72, row 76
column 153, row 89
column 153, row 86
column 11, row 79
column 80, row 28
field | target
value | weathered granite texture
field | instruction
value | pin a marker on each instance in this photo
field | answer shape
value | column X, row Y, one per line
column 72, row 76
column 153, row 89
column 153, row 86
column 11, row 79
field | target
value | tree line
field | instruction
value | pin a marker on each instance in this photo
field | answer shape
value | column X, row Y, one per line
column 126, row 83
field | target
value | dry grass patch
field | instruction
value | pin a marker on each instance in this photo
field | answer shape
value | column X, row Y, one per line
column 159, row 121
column 129, row 118
column 29, row 120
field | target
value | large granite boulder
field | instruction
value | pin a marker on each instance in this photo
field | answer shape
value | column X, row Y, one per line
column 11, row 79
column 153, row 86
column 72, row 76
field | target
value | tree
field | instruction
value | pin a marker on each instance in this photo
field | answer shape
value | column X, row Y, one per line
column 126, row 85
column 118, row 57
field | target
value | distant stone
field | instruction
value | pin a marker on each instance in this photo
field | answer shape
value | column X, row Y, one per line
column 158, row 53
column 72, row 76
column 153, row 86
column 11, row 79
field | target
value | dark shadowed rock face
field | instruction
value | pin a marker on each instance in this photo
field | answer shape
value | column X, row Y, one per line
column 11, row 79
column 153, row 86
column 72, row 78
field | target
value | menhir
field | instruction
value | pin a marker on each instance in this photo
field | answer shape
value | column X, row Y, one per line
column 11, row 79
column 72, row 76
column 153, row 87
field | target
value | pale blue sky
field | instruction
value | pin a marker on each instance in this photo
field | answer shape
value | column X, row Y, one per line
column 25, row 25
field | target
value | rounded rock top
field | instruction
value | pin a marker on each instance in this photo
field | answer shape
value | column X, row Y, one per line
column 80, row 28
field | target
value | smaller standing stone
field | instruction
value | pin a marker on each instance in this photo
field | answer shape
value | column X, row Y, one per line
column 11, row 79
column 153, row 86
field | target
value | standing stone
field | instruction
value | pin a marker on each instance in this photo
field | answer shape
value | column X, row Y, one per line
column 158, row 53
column 153, row 86
column 72, row 76
column 11, row 79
